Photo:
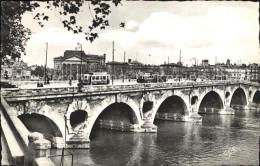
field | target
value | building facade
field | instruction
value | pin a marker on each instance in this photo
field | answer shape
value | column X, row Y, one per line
column 130, row 69
column 17, row 70
column 69, row 66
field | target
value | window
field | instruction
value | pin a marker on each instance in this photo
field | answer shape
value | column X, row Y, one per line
column 104, row 77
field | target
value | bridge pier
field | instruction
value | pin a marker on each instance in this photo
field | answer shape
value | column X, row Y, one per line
column 78, row 141
column 119, row 125
column 227, row 111
column 148, row 126
column 58, row 142
column 193, row 117
column 223, row 111
column 252, row 105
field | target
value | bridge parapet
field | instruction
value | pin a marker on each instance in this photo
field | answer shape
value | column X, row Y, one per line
column 19, row 92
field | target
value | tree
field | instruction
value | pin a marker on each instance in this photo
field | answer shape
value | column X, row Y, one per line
column 39, row 71
column 14, row 35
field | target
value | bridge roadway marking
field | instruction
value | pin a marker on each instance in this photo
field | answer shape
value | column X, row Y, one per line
column 104, row 92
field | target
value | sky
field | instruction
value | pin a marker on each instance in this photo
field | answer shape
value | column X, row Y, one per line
column 215, row 30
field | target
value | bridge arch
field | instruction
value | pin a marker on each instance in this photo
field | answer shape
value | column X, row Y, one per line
column 210, row 100
column 176, row 100
column 239, row 97
column 256, row 97
column 174, row 106
column 120, row 115
column 112, row 101
column 36, row 122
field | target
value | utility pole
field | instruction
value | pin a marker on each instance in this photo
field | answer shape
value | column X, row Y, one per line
column 80, row 71
column 113, row 51
column 195, row 66
column 168, row 67
column 180, row 65
column 215, row 67
column 45, row 70
column 180, row 56
column 124, row 68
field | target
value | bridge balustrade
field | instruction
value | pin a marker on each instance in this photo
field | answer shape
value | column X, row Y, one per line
column 106, row 88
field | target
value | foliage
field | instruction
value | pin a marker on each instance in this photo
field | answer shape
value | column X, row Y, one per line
column 14, row 35
column 39, row 71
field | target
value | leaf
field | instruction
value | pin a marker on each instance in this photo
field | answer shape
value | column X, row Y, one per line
column 91, row 39
column 36, row 5
column 122, row 25
column 72, row 19
column 46, row 18
column 106, row 23
column 80, row 29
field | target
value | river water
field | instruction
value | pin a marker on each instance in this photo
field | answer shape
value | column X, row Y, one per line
column 218, row 140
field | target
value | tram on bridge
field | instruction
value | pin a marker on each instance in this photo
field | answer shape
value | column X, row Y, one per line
column 97, row 78
column 150, row 78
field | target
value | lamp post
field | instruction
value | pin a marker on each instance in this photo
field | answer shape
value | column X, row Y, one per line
column 195, row 67
column 45, row 70
column 113, row 51
column 80, row 70
column 124, row 69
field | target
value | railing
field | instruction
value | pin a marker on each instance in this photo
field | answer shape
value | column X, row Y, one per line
column 62, row 156
column 13, row 92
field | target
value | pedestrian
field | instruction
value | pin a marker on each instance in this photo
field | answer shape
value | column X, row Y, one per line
column 48, row 80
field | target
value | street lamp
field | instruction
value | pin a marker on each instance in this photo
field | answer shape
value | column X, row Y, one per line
column 45, row 70
column 80, row 70
column 195, row 67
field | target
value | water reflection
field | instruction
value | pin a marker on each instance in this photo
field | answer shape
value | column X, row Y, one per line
column 219, row 140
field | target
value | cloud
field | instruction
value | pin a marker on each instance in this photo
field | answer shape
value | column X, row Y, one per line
column 56, row 37
column 132, row 26
column 226, row 32
column 215, row 34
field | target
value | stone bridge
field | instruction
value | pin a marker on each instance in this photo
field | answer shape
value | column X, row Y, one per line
column 66, row 117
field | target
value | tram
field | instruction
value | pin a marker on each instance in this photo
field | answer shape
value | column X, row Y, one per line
column 150, row 78
column 97, row 78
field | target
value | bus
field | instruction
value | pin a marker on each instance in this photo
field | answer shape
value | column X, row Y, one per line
column 98, row 78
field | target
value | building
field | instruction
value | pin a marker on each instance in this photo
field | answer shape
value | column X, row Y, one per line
column 171, row 69
column 254, row 72
column 117, row 69
column 17, row 70
column 68, row 66
column 205, row 62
